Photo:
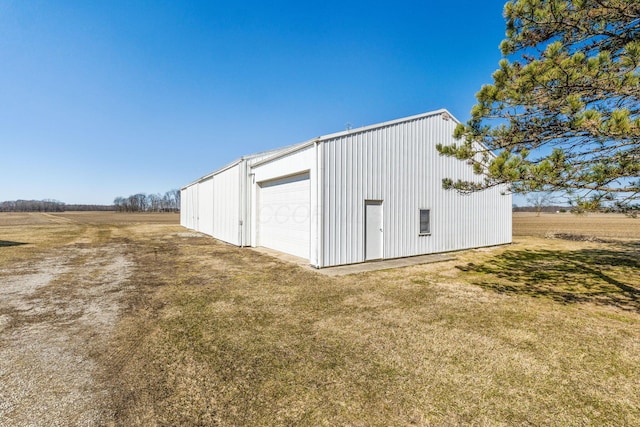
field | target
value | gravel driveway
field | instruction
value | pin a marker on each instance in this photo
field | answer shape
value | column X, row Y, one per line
column 56, row 315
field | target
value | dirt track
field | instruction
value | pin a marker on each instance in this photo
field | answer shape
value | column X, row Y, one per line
column 56, row 314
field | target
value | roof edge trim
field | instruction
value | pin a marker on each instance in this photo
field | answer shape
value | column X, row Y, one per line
column 340, row 134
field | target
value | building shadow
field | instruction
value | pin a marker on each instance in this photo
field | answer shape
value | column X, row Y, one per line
column 608, row 276
column 5, row 243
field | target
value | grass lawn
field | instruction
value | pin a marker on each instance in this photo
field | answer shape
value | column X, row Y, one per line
column 541, row 332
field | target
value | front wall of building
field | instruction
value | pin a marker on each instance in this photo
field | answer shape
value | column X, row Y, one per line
column 267, row 211
column 400, row 166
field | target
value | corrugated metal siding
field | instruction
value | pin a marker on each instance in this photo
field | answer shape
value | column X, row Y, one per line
column 400, row 165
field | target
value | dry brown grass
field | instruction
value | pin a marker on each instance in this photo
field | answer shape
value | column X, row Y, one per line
column 239, row 338
column 542, row 332
column 120, row 218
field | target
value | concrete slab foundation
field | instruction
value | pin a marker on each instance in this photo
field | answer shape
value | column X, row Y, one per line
column 343, row 270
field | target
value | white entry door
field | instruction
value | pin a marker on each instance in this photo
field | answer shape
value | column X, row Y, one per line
column 284, row 215
column 373, row 230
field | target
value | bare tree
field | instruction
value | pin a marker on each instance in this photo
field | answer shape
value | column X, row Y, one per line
column 172, row 198
column 540, row 201
column 154, row 202
column 177, row 199
column 119, row 204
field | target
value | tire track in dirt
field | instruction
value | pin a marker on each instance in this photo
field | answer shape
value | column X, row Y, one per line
column 56, row 315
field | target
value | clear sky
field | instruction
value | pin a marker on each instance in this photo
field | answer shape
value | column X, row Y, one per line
column 100, row 99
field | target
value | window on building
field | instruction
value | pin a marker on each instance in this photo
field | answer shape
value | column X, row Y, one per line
column 425, row 221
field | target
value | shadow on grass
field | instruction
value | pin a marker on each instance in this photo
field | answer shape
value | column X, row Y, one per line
column 5, row 243
column 600, row 276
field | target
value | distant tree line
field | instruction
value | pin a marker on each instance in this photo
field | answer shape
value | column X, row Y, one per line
column 630, row 210
column 547, row 209
column 48, row 205
column 88, row 207
column 32, row 206
column 141, row 202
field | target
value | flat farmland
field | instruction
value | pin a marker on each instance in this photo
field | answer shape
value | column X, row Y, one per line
column 38, row 218
column 603, row 226
column 130, row 319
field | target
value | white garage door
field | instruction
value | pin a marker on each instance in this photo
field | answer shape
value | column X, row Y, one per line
column 284, row 215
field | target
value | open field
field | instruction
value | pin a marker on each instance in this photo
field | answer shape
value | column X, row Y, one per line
column 603, row 226
column 35, row 218
column 133, row 320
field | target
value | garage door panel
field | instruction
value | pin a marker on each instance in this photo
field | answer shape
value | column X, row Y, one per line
column 284, row 215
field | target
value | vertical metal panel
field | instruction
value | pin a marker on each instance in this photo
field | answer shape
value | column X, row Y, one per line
column 194, row 206
column 226, row 204
column 183, row 207
column 400, row 165
column 195, row 219
column 205, row 206
column 189, row 203
column 317, row 197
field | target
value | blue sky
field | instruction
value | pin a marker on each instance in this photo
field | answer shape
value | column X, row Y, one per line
column 100, row 99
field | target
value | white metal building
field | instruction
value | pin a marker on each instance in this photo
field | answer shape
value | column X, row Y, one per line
column 369, row 193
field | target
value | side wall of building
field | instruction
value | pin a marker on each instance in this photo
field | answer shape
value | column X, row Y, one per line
column 213, row 205
column 189, row 207
column 400, row 166
column 226, row 205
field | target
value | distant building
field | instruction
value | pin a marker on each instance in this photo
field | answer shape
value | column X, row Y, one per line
column 363, row 194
